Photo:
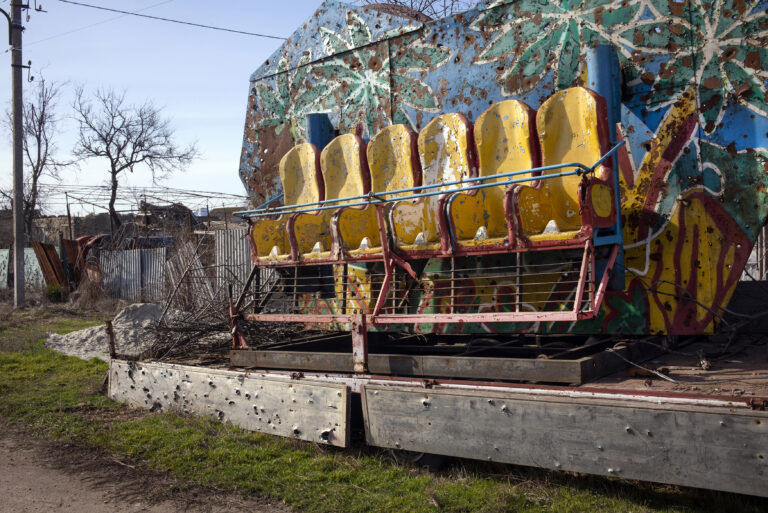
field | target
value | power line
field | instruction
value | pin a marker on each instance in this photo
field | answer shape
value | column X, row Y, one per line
column 199, row 25
column 140, row 189
column 95, row 24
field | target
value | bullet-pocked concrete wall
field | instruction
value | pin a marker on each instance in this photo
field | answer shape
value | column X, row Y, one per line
column 307, row 410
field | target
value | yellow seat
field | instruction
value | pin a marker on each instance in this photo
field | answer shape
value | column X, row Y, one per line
column 572, row 127
column 393, row 164
column 418, row 225
column 345, row 174
column 505, row 141
column 302, row 183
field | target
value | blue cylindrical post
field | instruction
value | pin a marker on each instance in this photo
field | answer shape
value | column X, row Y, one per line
column 319, row 130
column 604, row 77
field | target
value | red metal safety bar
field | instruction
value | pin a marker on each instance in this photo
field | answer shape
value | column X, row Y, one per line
column 577, row 313
column 357, row 324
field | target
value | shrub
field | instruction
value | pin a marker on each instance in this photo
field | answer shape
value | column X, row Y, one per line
column 55, row 294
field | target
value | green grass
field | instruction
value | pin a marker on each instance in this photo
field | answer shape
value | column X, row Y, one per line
column 58, row 397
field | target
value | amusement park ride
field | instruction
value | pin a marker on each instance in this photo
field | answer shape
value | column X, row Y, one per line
column 473, row 217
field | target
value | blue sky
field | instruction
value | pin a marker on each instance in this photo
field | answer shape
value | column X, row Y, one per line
column 199, row 77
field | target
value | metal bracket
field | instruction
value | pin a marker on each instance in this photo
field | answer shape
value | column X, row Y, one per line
column 27, row 67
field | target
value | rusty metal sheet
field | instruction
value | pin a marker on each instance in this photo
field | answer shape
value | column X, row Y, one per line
column 71, row 251
column 50, row 264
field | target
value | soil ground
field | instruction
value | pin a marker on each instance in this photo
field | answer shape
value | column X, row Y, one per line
column 38, row 476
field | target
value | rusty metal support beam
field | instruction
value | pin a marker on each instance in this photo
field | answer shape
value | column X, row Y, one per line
column 360, row 344
column 575, row 371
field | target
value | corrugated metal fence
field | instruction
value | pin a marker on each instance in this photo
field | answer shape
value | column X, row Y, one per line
column 150, row 274
column 134, row 274
column 233, row 262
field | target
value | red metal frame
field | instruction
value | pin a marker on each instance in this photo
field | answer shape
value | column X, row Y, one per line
column 358, row 322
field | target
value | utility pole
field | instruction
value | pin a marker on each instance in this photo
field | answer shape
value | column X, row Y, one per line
column 15, row 28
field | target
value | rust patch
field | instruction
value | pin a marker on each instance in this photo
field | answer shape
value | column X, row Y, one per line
column 744, row 92
column 666, row 71
column 752, row 60
column 729, row 54
column 647, row 78
column 271, row 148
column 599, row 15
column 711, row 83
column 375, row 63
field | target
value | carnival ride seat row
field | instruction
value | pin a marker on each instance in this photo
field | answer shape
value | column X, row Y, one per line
column 518, row 179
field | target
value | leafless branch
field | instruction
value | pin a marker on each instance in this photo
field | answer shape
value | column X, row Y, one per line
column 127, row 136
column 431, row 9
column 39, row 130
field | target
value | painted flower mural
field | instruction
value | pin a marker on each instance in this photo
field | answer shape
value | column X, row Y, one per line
column 540, row 37
column 715, row 48
column 290, row 96
column 705, row 46
column 374, row 83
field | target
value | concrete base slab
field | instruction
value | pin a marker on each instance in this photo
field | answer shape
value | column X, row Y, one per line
column 705, row 447
column 307, row 410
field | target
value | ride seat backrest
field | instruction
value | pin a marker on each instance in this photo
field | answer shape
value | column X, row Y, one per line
column 300, row 175
column 393, row 160
column 506, row 142
column 444, row 152
column 345, row 169
column 299, row 171
column 569, row 131
column 345, row 173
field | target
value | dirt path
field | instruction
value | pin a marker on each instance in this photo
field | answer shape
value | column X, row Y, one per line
column 36, row 476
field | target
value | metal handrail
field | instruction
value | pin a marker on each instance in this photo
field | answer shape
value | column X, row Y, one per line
column 373, row 198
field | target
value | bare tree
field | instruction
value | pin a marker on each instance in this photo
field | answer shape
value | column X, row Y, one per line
column 39, row 128
column 431, row 9
column 127, row 136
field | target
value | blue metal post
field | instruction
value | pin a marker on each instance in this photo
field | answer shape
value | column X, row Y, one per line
column 319, row 130
column 604, row 77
